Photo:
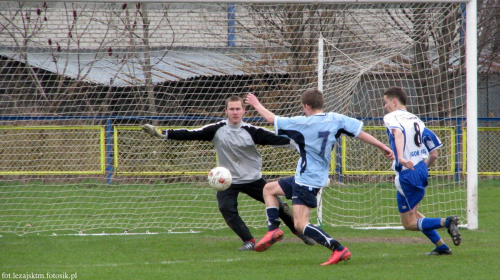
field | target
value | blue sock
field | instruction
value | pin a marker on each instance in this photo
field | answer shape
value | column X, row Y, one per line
column 273, row 221
column 432, row 235
column 429, row 223
column 442, row 247
column 447, row 222
column 322, row 237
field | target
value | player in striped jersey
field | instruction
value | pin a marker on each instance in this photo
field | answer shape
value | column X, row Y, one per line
column 314, row 135
column 415, row 149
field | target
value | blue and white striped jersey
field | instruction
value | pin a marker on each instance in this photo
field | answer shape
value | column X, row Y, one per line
column 314, row 137
column 419, row 140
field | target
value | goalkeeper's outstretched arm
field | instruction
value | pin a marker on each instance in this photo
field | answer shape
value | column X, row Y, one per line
column 154, row 131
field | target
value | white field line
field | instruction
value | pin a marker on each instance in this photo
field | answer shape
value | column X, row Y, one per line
column 164, row 262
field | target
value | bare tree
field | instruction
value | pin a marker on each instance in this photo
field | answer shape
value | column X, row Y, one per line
column 489, row 31
column 21, row 25
column 122, row 39
column 489, row 35
column 138, row 29
column 290, row 33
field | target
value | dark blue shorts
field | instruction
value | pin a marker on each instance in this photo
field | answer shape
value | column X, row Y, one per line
column 301, row 195
column 411, row 186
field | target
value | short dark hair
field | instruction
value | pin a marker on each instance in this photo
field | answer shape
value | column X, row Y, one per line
column 234, row 98
column 314, row 98
column 398, row 93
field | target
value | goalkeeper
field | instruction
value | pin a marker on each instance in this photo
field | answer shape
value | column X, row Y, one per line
column 235, row 141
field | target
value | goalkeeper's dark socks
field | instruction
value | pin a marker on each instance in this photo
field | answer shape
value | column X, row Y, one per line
column 429, row 224
column 272, row 218
column 321, row 237
column 338, row 248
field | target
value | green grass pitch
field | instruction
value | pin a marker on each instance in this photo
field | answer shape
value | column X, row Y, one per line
column 212, row 254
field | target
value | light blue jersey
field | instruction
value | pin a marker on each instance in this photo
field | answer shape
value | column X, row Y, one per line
column 314, row 138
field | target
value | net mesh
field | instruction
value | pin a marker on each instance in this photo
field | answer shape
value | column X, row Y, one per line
column 78, row 80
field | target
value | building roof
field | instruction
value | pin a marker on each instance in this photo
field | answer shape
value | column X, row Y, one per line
column 124, row 68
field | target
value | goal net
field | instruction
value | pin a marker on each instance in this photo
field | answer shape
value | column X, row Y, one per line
column 78, row 79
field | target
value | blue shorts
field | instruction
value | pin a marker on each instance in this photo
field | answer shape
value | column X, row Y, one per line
column 299, row 194
column 411, row 186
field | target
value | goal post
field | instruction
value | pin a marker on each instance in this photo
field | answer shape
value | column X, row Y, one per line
column 78, row 78
column 472, row 127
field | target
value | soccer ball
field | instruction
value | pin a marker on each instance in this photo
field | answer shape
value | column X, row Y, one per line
column 219, row 178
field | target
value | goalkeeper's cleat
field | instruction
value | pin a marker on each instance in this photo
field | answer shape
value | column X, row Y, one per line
column 247, row 246
column 437, row 252
column 269, row 239
column 453, row 230
column 337, row 256
column 153, row 130
column 307, row 240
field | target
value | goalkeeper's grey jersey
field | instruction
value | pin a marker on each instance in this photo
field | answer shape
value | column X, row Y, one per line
column 235, row 146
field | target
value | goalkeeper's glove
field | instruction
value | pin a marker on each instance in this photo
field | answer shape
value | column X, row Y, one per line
column 153, row 131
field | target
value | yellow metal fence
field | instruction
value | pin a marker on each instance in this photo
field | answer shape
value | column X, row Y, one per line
column 44, row 150
column 56, row 150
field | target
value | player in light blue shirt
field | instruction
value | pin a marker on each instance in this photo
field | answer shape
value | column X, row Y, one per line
column 314, row 135
column 415, row 149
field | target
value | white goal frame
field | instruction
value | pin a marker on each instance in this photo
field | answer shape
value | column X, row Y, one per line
column 470, row 113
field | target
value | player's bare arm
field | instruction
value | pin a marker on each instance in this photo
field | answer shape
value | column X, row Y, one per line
column 368, row 138
column 432, row 158
column 255, row 103
column 399, row 140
